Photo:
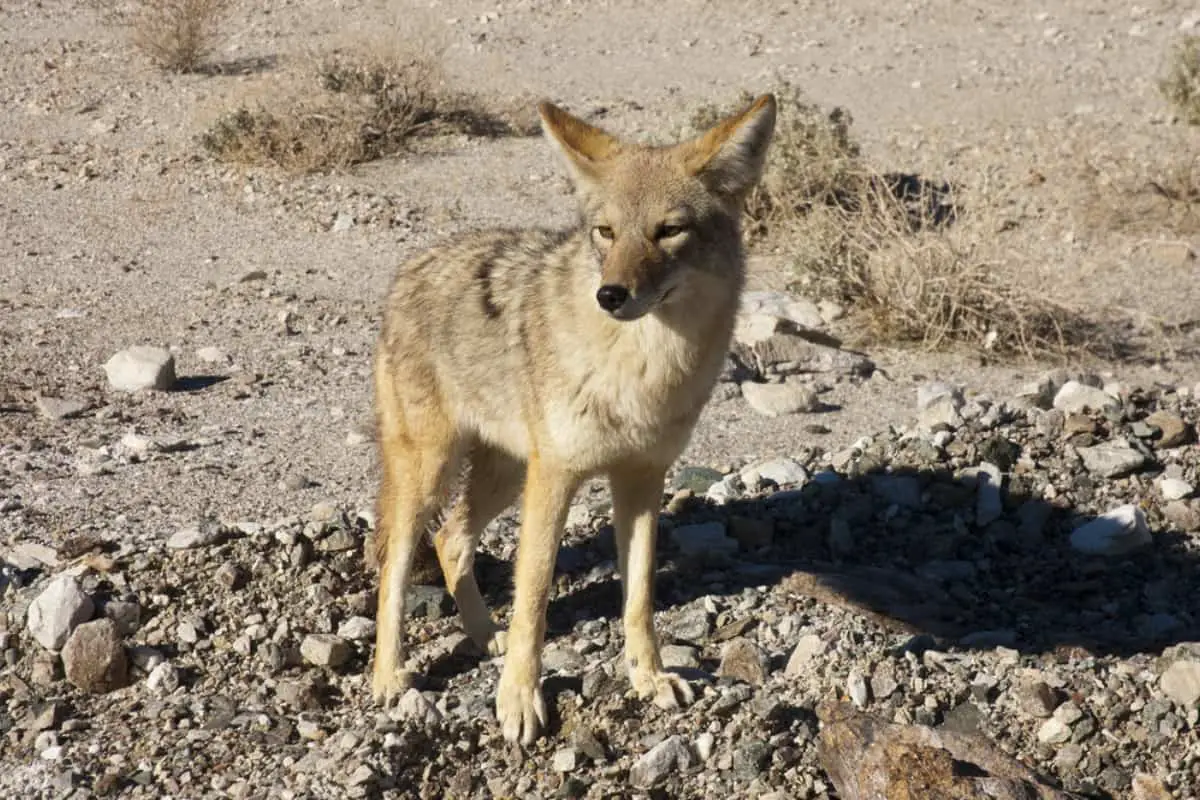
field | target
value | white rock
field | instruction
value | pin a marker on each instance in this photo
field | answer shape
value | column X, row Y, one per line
column 780, row 399
column 1119, row 531
column 989, row 505
column 357, row 629
column 325, row 650
column 930, row 393
column 202, row 535
column 57, row 611
column 1175, row 489
column 704, row 745
column 1181, row 683
column 1078, row 398
column 565, row 760
column 780, row 304
column 779, row 471
column 724, row 490
column 141, row 367
column 705, row 538
column 856, row 687
column 666, row 758
column 808, row 649
column 163, row 679
column 1054, row 731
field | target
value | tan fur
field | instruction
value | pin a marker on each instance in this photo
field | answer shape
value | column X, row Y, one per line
column 497, row 361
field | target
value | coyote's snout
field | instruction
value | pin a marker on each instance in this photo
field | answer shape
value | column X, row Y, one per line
column 532, row 360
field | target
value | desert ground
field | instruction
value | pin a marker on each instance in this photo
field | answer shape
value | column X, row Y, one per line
column 266, row 285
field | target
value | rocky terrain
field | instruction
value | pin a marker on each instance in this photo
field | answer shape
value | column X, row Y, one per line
column 889, row 572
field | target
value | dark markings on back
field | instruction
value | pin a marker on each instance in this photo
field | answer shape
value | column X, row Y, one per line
column 483, row 276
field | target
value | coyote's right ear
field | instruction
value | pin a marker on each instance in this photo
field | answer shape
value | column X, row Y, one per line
column 584, row 147
column 729, row 157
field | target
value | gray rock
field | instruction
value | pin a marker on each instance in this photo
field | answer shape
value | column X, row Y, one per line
column 930, row 393
column 679, row 656
column 94, row 658
column 1181, row 683
column 1112, row 459
column 703, row 540
column 127, row 615
column 780, row 399
column 414, row 706
column 204, row 534
column 942, row 413
column 141, row 367
column 57, row 611
column 429, row 602
column 664, row 759
column 325, row 650
column 744, row 660
column 698, row 479
column 1117, row 532
column 1077, row 398
column 59, row 407
column 690, row 624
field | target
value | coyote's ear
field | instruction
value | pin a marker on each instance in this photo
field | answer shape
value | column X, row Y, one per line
column 729, row 157
column 583, row 146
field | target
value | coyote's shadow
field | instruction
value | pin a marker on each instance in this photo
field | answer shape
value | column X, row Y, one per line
column 919, row 566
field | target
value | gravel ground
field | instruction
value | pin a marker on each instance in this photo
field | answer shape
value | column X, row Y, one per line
column 184, row 609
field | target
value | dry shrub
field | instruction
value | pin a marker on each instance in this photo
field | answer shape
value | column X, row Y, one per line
column 1181, row 85
column 178, row 35
column 897, row 249
column 813, row 160
column 358, row 104
column 913, row 278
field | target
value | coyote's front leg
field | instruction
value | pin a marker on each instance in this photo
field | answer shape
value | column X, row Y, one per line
column 637, row 494
column 519, row 704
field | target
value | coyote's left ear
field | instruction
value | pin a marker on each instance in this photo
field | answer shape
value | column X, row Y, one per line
column 584, row 147
column 729, row 157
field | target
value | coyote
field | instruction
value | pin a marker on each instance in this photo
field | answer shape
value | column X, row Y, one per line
column 513, row 359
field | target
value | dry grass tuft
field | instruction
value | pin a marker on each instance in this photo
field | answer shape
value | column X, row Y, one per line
column 899, row 250
column 1181, row 86
column 178, row 35
column 361, row 104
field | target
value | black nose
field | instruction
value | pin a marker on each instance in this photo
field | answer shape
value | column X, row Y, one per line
column 611, row 297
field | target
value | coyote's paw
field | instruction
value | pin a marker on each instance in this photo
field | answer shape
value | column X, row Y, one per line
column 520, row 710
column 666, row 689
column 388, row 685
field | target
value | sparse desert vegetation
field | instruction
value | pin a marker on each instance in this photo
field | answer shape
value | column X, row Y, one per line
column 364, row 102
column 1181, row 85
column 177, row 35
column 916, row 260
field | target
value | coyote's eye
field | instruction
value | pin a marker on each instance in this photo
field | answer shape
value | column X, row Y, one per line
column 666, row 231
column 604, row 232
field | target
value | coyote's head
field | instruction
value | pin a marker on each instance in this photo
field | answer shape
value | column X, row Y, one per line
column 655, row 214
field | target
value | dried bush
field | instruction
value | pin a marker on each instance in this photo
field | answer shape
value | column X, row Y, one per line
column 368, row 102
column 178, row 35
column 1181, row 85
